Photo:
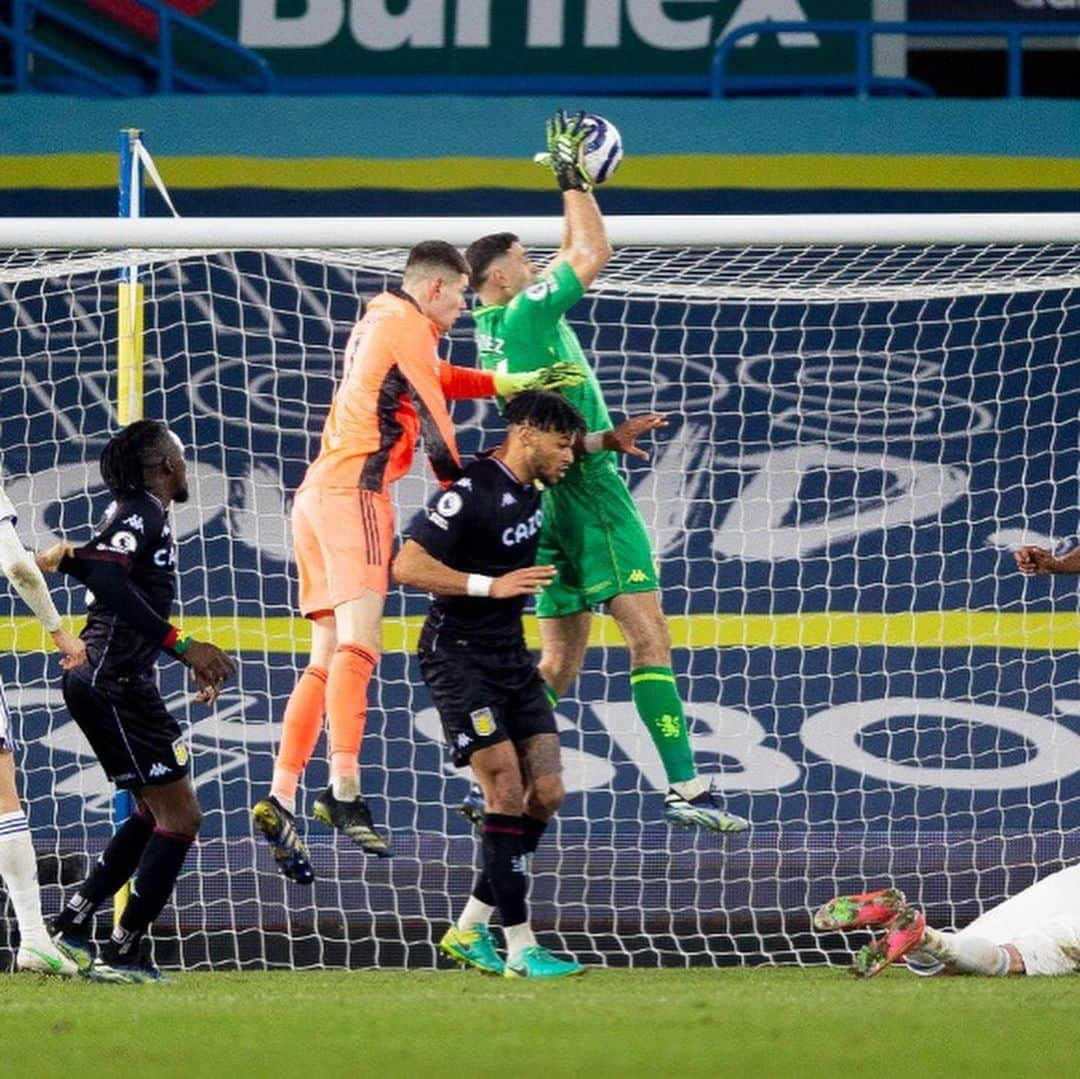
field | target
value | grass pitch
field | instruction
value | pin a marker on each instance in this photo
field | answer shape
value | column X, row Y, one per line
column 739, row 1023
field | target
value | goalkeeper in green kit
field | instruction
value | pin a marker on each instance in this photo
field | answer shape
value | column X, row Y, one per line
column 592, row 531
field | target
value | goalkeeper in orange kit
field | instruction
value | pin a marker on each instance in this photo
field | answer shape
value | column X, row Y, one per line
column 393, row 391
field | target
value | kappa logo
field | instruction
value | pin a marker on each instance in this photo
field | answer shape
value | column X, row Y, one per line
column 483, row 722
column 465, row 483
column 637, row 576
column 463, row 740
column 135, row 522
column 508, row 500
column 158, row 769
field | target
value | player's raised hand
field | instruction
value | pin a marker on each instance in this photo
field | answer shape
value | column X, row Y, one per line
column 522, row 582
column 72, row 649
column 48, row 561
column 210, row 667
column 552, row 377
column 1036, row 560
column 566, row 136
column 623, row 437
column 559, row 375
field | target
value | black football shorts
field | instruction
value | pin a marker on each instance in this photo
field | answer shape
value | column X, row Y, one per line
column 134, row 736
column 485, row 696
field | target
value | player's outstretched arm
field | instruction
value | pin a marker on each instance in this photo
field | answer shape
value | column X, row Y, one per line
column 585, row 241
column 555, row 376
column 1033, row 559
column 622, row 438
column 22, row 569
column 585, row 244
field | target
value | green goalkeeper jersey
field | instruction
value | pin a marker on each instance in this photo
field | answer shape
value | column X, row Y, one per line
column 530, row 332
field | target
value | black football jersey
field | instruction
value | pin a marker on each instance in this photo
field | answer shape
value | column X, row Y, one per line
column 135, row 533
column 487, row 522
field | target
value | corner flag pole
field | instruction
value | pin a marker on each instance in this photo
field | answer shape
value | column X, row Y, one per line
column 129, row 372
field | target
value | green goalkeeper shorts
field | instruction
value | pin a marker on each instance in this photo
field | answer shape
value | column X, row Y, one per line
column 594, row 536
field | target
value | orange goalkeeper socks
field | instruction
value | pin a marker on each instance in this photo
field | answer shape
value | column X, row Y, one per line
column 300, row 732
column 346, row 707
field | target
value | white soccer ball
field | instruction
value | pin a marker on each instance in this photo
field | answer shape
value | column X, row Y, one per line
column 602, row 150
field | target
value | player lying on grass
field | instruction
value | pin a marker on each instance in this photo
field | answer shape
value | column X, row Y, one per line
column 1036, row 931
column 476, row 552
column 393, row 390
column 129, row 568
column 593, row 533
column 18, row 864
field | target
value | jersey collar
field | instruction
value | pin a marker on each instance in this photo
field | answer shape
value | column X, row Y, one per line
column 489, row 455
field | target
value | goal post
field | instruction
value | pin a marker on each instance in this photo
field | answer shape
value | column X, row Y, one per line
column 868, row 414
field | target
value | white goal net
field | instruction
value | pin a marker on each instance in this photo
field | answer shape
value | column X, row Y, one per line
column 859, row 436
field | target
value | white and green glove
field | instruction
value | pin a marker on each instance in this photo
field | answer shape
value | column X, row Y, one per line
column 566, row 137
column 555, row 377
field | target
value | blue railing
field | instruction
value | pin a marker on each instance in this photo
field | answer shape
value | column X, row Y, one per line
column 862, row 79
column 165, row 75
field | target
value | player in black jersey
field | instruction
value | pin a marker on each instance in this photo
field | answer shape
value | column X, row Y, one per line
column 129, row 569
column 474, row 550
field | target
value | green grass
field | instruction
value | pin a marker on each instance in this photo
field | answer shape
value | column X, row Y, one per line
column 729, row 1023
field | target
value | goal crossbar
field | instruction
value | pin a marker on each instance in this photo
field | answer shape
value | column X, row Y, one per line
column 657, row 230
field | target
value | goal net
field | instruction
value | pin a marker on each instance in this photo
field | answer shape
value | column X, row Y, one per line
column 860, row 434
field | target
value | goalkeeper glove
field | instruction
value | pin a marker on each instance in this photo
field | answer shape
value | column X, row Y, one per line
column 566, row 137
column 557, row 376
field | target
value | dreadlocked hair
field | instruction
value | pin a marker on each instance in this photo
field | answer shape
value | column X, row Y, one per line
column 126, row 455
column 545, row 411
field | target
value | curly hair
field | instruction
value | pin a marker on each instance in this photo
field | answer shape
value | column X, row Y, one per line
column 545, row 411
column 128, row 453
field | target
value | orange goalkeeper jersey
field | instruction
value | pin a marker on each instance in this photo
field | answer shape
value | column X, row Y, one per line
column 393, row 389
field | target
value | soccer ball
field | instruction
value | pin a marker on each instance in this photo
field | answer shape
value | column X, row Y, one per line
column 602, row 150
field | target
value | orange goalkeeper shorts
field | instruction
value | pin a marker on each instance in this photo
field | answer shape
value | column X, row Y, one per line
column 342, row 539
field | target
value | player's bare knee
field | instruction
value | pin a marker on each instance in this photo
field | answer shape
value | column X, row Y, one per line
column 501, row 781
column 643, row 626
column 175, row 808
column 183, row 820
column 505, row 797
column 545, row 797
column 558, row 672
column 193, row 820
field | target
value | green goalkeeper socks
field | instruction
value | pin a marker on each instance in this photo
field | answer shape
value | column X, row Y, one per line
column 656, row 699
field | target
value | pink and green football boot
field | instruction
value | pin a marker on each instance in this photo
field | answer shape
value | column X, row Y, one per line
column 903, row 935
column 867, row 911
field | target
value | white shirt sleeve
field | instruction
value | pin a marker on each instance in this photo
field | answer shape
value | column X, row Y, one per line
column 7, row 508
column 18, row 565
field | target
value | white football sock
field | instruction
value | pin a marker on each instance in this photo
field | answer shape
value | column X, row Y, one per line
column 18, row 869
column 968, row 953
column 518, row 938
column 345, row 788
column 691, row 788
column 474, row 914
